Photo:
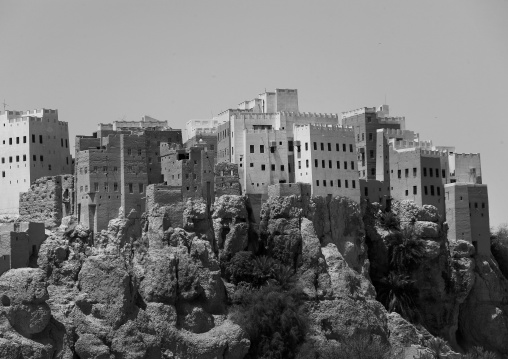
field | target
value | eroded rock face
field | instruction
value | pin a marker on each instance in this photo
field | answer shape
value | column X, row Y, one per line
column 483, row 319
column 230, row 224
column 23, row 298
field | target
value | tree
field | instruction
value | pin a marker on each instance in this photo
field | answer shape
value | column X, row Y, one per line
column 397, row 293
column 408, row 253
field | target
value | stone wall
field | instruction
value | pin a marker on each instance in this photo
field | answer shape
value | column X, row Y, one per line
column 48, row 200
column 227, row 180
column 290, row 189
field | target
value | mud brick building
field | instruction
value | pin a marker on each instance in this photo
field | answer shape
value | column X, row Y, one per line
column 114, row 166
column 19, row 244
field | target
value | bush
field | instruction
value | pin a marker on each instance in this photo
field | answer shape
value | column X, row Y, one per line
column 408, row 253
column 389, row 220
column 274, row 320
column 360, row 346
column 479, row 353
column 397, row 293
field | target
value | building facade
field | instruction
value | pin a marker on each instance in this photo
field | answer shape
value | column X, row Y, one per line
column 113, row 169
column 33, row 144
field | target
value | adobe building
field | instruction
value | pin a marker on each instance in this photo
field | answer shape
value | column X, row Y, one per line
column 467, row 214
column 19, row 244
column 48, row 200
column 191, row 169
column 326, row 159
column 196, row 128
column 366, row 121
column 113, row 168
column 227, row 179
column 33, row 144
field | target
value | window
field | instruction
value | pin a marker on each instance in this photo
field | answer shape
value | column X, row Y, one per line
column 33, row 138
column 130, row 188
column 438, row 189
column 140, row 188
column 399, row 174
column 424, row 172
column 282, row 167
column 373, row 171
column 24, row 139
column 324, row 183
column 345, row 165
column 406, row 172
column 24, row 158
column 329, row 146
column 443, row 172
column 323, row 164
column 251, row 164
column 415, row 190
column 290, row 146
column 139, row 151
column 425, row 190
column 371, row 136
column 338, row 183
column 95, row 168
column 273, row 167
column 261, row 149
column 414, row 171
column 344, row 147
column 115, row 186
column 352, row 165
column 105, row 168
column 346, row 184
column 115, row 169
column 61, row 142
column 129, row 151
column 10, row 141
column 317, row 183
column 263, row 167
column 66, row 143
column 437, row 173
column 299, row 165
column 81, row 188
column 3, row 173
column 432, row 190
column 430, row 172
column 315, row 146
column 251, row 148
column 366, row 191
column 17, row 140
column 338, row 164
column 307, row 163
column 106, row 187
column 306, row 146
column 329, row 163
column 337, row 147
column 34, row 158
column 316, row 163
column 10, row 159
column 350, row 148
column 363, row 136
column 86, row 188
column 371, row 153
column 40, row 138
column 353, row 183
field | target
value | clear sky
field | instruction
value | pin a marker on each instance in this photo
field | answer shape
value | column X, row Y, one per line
column 442, row 64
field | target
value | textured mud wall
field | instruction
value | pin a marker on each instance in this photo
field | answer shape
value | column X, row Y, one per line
column 227, row 180
column 48, row 200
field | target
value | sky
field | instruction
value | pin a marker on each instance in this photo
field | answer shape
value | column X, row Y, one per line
column 441, row 64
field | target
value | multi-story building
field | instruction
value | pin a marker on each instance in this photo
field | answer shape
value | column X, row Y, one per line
column 113, row 169
column 365, row 122
column 326, row 159
column 467, row 214
column 190, row 169
column 33, row 144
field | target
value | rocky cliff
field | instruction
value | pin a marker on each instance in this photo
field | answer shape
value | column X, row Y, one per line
column 171, row 284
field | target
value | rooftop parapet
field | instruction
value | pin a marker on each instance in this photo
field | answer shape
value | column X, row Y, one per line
column 358, row 111
column 466, row 154
column 401, row 144
column 399, row 119
column 423, row 152
column 256, row 116
column 392, row 132
column 310, row 114
column 324, row 127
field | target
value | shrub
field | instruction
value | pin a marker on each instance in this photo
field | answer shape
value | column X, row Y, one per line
column 389, row 220
column 353, row 282
column 240, row 268
column 407, row 254
column 360, row 346
column 274, row 321
column 479, row 353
